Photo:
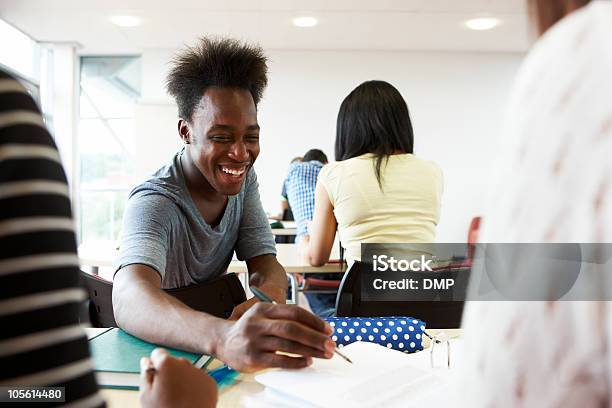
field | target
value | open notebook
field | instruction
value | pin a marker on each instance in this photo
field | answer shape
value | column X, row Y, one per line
column 377, row 376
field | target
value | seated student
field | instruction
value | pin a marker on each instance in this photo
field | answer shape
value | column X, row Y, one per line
column 377, row 190
column 301, row 183
column 286, row 214
column 182, row 225
column 41, row 342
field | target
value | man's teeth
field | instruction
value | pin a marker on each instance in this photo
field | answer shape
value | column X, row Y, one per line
column 233, row 172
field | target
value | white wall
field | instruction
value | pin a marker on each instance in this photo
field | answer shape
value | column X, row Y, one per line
column 456, row 102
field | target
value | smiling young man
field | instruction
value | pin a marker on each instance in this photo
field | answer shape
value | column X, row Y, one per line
column 183, row 224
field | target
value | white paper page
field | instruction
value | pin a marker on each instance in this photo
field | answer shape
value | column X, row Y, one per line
column 377, row 375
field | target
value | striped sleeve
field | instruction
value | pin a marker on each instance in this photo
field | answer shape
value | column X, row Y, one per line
column 41, row 342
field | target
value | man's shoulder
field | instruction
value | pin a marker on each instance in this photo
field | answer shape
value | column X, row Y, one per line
column 164, row 184
column 313, row 164
column 151, row 202
column 167, row 176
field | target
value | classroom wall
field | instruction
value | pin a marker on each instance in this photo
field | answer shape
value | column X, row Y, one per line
column 456, row 102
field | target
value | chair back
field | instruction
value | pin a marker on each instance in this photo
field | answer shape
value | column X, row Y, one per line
column 437, row 314
column 217, row 297
column 472, row 236
column 99, row 306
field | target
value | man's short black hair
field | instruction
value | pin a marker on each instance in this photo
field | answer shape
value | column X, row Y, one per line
column 215, row 62
column 315, row 154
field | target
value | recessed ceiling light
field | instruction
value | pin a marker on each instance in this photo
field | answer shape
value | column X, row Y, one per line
column 125, row 21
column 305, row 21
column 482, row 23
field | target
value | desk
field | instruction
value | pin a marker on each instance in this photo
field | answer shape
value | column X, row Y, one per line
column 289, row 228
column 246, row 386
column 284, row 231
column 288, row 255
column 98, row 254
column 286, row 224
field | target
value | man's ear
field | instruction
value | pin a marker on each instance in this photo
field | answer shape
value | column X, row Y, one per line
column 184, row 131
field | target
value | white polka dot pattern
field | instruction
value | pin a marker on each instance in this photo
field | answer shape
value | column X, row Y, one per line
column 399, row 333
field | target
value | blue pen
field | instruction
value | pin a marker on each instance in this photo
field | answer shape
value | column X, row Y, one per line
column 265, row 298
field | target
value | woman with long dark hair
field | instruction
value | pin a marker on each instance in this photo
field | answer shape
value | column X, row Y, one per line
column 377, row 190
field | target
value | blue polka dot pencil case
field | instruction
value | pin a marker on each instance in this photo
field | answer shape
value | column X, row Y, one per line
column 399, row 333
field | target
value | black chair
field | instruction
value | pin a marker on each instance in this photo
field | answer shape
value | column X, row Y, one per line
column 98, row 308
column 217, row 297
column 437, row 314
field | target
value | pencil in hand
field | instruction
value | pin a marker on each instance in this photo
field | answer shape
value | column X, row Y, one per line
column 265, row 298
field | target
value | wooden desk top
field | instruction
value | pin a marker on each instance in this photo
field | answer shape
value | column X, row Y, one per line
column 286, row 224
column 289, row 256
column 284, row 231
column 102, row 254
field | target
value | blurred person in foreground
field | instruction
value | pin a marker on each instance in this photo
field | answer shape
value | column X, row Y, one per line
column 42, row 343
column 553, row 186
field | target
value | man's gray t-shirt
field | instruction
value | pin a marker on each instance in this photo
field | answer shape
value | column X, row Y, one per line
column 163, row 229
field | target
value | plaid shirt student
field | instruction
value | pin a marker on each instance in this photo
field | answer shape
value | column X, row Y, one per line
column 300, row 183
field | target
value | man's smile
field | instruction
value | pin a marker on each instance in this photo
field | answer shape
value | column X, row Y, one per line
column 233, row 170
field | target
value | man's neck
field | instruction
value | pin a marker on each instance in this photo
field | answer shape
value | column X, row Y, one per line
column 196, row 183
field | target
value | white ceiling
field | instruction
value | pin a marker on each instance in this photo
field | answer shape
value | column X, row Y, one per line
column 434, row 25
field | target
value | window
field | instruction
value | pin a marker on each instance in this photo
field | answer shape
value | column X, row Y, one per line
column 31, row 64
column 110, row 87
column 19, row 53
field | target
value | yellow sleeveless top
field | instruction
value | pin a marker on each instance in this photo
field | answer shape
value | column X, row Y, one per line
column 407, row 209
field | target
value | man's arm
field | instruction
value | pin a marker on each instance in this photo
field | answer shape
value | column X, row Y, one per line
column 267, row 274
column 247, row 344
column 139, row 302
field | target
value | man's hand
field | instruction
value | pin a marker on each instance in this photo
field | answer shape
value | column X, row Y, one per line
column 250, row 343
column 175, row 383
